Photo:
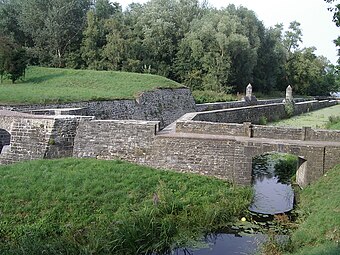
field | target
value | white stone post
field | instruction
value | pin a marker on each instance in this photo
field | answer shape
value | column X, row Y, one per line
column 289, row 94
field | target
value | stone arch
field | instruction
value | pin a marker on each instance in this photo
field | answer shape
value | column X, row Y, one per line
column 301, row 171
column 256, row 149
column 5, row 140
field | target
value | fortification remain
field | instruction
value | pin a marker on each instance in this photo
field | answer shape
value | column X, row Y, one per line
column 220, row 142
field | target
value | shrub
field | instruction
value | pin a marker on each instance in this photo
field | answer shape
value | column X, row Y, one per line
column 209, row 96
column 289, row 109
column 263, row 120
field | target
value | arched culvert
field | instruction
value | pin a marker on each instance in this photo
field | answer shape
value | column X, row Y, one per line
column 272, row 175
column 5, row 140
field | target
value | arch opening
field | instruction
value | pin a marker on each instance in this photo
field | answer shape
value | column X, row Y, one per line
column 273, row 175
column 5, row 140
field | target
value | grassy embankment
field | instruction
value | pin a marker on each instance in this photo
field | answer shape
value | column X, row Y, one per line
column 319, row 229
column 52, row 85
column 77, row 206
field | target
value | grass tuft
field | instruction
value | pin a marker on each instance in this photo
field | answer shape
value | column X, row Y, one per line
column 319, row 230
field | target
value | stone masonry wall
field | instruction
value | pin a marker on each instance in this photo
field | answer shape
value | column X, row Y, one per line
column 29, row 140
column 258, row 131
column 238, row 104
column 213, row 156
column 38, row 137
column 114, row 139
column 163, row 105
column 244, row 114
column 253, row 114
column 200, row 127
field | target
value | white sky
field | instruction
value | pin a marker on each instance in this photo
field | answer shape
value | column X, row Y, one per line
column 316, row 21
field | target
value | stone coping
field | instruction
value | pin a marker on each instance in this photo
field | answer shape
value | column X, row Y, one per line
column 249, row 140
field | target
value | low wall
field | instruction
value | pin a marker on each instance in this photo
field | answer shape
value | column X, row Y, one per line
column 258, row 131
column 253, row 114
column 163, row 105
column 199, row 127
column 238, row 104
column 303, row 107
column 244, row 114
column 115, row 139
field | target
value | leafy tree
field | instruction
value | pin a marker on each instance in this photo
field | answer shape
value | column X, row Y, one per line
column 5, row 50
column 55, row 27
column 13, row 60
column 335, row 9
column 271, row 60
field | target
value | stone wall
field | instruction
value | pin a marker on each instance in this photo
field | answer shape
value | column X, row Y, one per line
column 238, row 104
column 244, row 114
column 258, row 131
column 38, row 137
column 114, row 139
column 29, row 140
column 253, row 114
column 163, row 105
column 206, row 156
column 200, row 127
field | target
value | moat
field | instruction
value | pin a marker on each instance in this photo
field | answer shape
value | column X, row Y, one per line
column 273, row 195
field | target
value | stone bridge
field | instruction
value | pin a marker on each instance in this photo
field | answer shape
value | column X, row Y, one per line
column 223, row 150
column 192, row 144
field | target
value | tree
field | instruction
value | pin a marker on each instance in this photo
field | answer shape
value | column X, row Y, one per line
column 13, row 60
column 5, row 50
column 55, row 27
column 335, row 9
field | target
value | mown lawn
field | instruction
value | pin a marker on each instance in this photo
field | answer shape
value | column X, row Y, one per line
column 315, row 119
column 84, row 206
column 52, row 85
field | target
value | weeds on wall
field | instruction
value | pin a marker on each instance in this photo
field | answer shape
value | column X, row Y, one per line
column 289, row 109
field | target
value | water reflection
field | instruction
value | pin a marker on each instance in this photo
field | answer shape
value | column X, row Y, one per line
column 226, row 244
column 273, row 195
column 271, row 182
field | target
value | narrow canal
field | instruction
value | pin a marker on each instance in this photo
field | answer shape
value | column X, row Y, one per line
column 273, row 198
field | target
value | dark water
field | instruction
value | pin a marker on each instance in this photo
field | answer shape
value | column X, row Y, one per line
column 273, row 195
column 227, row 244
column 271, row 183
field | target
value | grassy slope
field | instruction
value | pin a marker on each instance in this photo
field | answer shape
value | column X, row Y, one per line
column 53, row 85
column 319, row 231
column 108, row 207
column 316, row 119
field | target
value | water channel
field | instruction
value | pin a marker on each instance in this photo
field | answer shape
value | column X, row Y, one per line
column 273, row 195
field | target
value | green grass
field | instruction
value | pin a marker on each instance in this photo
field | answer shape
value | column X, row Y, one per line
column 52, row 85
column 319, row 229
column 333, row 122
column 315, row 119
column 84, row 206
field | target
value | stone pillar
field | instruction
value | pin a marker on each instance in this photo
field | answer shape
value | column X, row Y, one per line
column 249, row 91
column 250, row 98
column 289, row 94
column 306, row 134
column 248, row 129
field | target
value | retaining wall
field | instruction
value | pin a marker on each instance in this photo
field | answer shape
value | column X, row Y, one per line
column 238, row 104
column 163, row 105
column 253, row 114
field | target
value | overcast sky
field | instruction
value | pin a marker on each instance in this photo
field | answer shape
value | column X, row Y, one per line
column 316, row 21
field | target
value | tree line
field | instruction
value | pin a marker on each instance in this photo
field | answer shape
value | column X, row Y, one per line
column 202, row 47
